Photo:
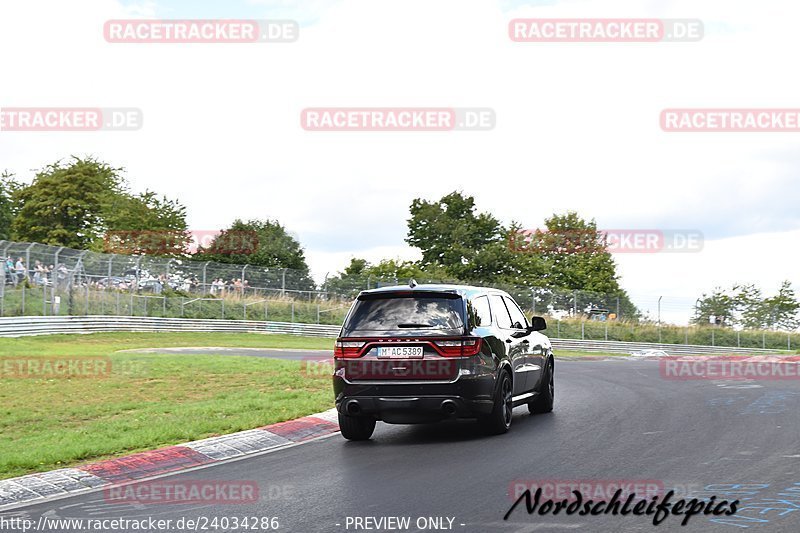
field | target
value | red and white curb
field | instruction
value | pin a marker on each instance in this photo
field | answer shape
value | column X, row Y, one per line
column 172, row 459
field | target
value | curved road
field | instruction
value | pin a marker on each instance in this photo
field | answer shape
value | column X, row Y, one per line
column 615, row 419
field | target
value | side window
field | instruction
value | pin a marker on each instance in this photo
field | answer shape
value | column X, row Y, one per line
column 480, row 306
column 517, row 317
column 500, row 312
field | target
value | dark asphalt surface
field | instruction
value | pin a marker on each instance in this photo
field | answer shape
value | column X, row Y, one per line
column 614, row 419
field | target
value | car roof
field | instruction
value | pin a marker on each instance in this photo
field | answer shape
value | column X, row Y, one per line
column 468, row 291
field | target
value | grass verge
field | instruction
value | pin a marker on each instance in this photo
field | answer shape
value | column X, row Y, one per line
column 146, row 400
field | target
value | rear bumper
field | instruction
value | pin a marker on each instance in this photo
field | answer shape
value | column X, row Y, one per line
column 415, row 402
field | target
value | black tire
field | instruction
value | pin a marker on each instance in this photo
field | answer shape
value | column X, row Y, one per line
column 499, row 420
column 547, row 393
column 356, row 427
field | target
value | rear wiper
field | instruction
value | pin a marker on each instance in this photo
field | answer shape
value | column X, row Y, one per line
column 414, row 325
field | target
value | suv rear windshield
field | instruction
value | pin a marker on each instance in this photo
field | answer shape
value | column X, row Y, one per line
column 434, row 313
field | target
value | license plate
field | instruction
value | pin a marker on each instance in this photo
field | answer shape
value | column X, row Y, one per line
column 403, row 352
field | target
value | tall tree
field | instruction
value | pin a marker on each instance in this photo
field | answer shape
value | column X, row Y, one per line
column 576, row 255
column 720, row 304
column 9, row 188
column 65, row 203
column 450, row 233
column 145, row 224
column 783, row 308
column 83, row 203
column 751, row 305
column 264, row 243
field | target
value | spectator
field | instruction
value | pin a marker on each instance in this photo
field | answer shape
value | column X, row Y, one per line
column 20, row 270
column 62, row 273
column 37, row 273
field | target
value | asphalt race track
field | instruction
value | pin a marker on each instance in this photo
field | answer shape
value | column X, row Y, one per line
column 615, row 419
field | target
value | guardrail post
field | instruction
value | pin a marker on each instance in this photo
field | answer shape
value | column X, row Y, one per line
column 266, row 310
column 712, row 336
column 738, row 340
column 789, row 341
column 583, row 323
column 223, row 308
column 317, row 313
column 606, row 336
column 764, row 339
column 292, row 311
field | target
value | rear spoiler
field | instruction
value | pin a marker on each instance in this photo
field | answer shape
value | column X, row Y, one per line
column 450, row 295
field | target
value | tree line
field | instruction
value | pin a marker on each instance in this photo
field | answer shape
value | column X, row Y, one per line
column 745, row 306
column 80, row 202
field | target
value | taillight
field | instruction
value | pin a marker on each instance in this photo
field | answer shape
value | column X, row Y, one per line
column 459, row 348
column 348, row 349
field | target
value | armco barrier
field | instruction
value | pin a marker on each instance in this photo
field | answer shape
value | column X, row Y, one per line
column 48, row 325
column 37, row 325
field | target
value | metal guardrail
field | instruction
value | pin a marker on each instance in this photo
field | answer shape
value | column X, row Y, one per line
column 671, row 349
column 38, row 325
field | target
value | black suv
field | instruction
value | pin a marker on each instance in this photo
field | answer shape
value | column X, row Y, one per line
column 424, row 353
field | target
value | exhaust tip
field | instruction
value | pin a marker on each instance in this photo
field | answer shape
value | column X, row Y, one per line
column 353, row 408
column 449, row 407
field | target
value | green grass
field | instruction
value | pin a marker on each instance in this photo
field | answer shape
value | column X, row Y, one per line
column 107, row 343
column 147, row 400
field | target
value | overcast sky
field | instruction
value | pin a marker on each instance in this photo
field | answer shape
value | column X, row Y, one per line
column 577, row 123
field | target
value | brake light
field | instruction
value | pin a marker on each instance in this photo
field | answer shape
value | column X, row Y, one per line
column 348, row 349
column 459, row 348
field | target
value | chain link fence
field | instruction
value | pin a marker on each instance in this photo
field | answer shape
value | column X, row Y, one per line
column 41, row 280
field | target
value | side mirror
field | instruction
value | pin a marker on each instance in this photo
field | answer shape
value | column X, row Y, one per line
column 538, row 323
